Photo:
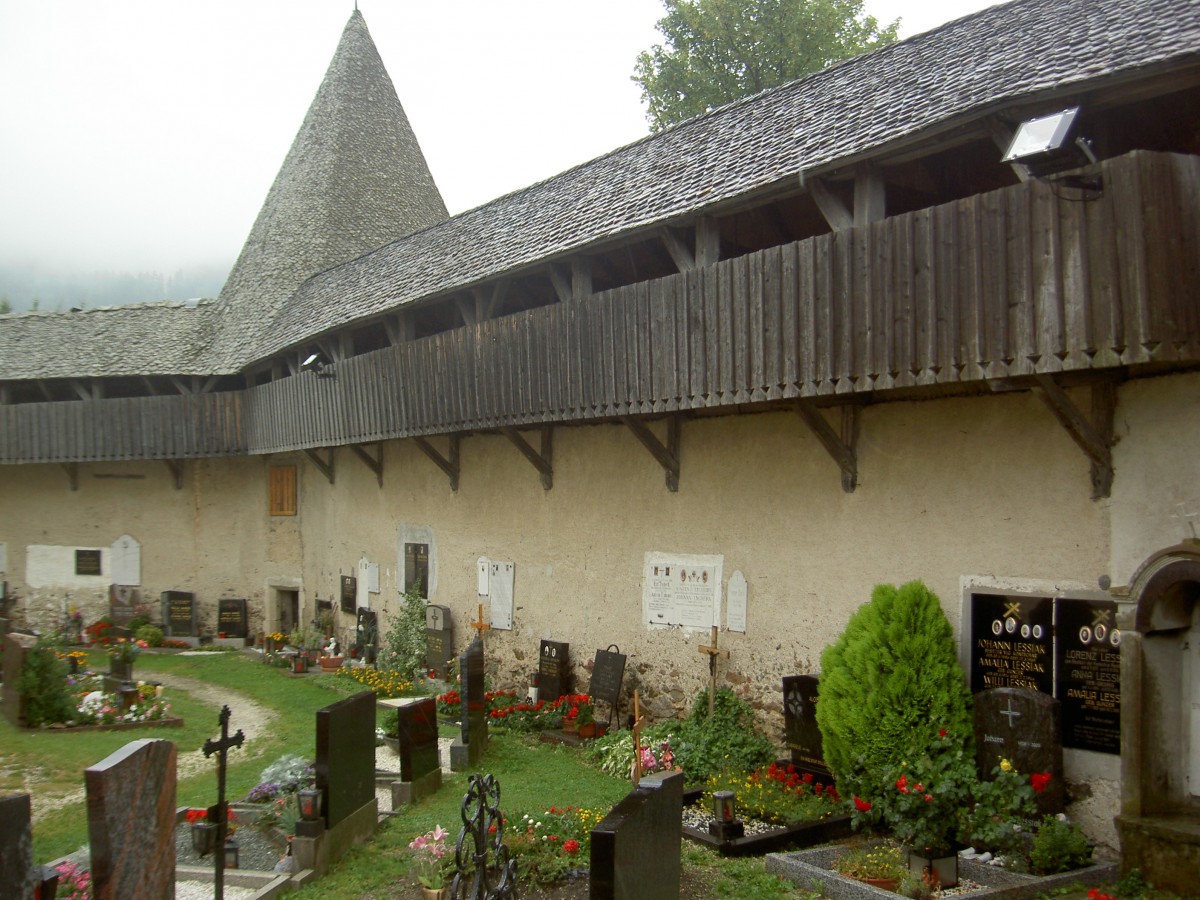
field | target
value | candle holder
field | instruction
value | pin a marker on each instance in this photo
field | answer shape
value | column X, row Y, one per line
column 726, row 826
column 310, row 823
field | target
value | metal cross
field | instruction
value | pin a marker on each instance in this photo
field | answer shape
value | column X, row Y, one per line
column 221, row 810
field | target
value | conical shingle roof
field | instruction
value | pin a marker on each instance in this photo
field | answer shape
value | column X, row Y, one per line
column 354, row 179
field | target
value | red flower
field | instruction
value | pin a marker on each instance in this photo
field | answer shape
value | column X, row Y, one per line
column 195, row 815
column 941, row 732
column 902, row 784
column 928, row 798
column 861, row 805
column 1039, row 781
column 571, row 847
column 920, row 788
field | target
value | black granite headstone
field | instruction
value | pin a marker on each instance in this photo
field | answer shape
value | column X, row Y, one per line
column 179, row 613
column 554, row 673
column 345, row 765
column 418, row 736
column 349, row 594
column 1012, row 642
column 231, row 618
column 636, row 847
column 608, row 671
column 468, row 747
column 801, row 733
column 439, row 639
column 1088, row 657
column 16, row 847
column 1023, row 727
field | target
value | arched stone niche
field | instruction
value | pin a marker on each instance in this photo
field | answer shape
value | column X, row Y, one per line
column 1160, row 720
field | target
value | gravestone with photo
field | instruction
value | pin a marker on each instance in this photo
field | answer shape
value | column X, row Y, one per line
column 608, row 671
column 178, row 613
column 554, row 672
column 802, row 736
column 636, row 848
column 122, row 603
column 468, row 747
column 439, row 640
column 1088, row 674
column 417, row 743
column 131, row 821
column 231, row 618
column 1023, row 727
column 16, row 847
column 345, row 766
column 1012, row 642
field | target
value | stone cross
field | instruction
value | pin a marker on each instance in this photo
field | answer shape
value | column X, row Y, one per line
column 713, row 652
column 221, row 810
column 638, row 718
column 480, row 626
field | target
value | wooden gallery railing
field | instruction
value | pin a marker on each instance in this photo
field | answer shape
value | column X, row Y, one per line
column 1038, row 278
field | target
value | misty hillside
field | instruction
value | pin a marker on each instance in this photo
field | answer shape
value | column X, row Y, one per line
column 29, row 287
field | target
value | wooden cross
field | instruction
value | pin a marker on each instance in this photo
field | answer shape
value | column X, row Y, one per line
column 481, row 626
column 713, row 652
column 637, row 741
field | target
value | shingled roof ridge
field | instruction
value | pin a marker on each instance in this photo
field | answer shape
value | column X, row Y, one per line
column 121, row 308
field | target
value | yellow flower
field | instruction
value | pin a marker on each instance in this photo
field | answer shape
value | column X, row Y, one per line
column 1005, row 765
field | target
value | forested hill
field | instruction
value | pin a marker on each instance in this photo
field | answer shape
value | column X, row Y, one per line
column 30, row 287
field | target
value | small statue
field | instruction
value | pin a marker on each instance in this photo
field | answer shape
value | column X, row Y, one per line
column 331, row 647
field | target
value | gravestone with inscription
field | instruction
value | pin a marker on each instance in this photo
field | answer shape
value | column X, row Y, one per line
column 417, row 739
column 1012, row 642
column 131, row 821
column 179, row 613
column 231, row 618
column 122, row 603
column 801, row 733
column 16, row 847
column 608, row 671
column 1023, row 727
column 345, row 766
column 439, row 639
column 1088, row 657
column 349, row 593
column 554, row 671
column 468, row 747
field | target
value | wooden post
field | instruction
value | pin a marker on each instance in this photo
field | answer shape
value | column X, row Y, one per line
column 480, row 626
column 637, row 741
column 713, row 652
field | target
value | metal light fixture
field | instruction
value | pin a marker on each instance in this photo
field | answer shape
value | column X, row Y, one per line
column 723, row 805
column 725, row 825
column 204, row 836
column 1046, row 145
column 317, row 363
column 231, row 852
column 310, row 804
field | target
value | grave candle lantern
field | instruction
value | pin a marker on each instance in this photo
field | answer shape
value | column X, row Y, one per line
column 204, row 836
column 725, row 827
column 723, row 805
column 310, row 804
column 231, row 852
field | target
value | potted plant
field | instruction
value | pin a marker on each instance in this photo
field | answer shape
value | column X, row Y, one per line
column 586, row 720
column 121, row 655
column 879, row 865
column 430, row 851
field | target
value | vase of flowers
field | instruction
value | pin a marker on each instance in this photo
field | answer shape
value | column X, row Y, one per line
column 879, row 865
column 121, row 655
column 430, row 851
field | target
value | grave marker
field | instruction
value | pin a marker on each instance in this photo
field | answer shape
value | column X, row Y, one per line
column 131, row 821
column 179, row 613
column 417, row 736
column 554, row 673
column 479, row 625
column 15, row 648
column 801, row 733
column 468, row 747
column 1012, row 642
column 16, row 847
column 608, row 671
column 439, row 639
column 349, row 594
column 636, row 847
column 121, row 602
column 125, row 561
column 1023, row 727
column 87, row 562
column 345, row 765
column 231, row 618
column 1088, row 681
column 713, row 652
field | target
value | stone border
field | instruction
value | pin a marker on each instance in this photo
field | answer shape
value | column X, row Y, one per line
column 810, row 868
column 164, row 722
column 806, row 834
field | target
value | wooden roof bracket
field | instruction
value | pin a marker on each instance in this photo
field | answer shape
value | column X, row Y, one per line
column 374, row 463
column 325, row 467
column 544, row 461
column 681, row 253
column 72, row 470
column 176, row 467
column 668, row 456
column 451, row 465
column 842, row 447
column 1094, row 435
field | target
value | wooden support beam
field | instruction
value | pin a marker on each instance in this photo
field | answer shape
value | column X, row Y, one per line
column 836, row 213
column 72, row 470
column 374, row 463
column 400, row 329
column 581, row 277
column 325, row 467
column 562, row 287
column 681, row 254
column 41, row 383
column 150, row 388
column 82, row 390
column 449, row 466
column 842, row 447
column 1095, row 436
column 708, row 241
column 543, row 461
column 176, row 467
column 468, row 310
column 180, row 385
column 496, row 300
column 209, row 384
column 870, row 196
column 667, row 456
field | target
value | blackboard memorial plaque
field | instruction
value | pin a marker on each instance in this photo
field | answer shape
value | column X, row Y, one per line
column 231, row 618
column 554, row 674
column 349, row 593
column 608, row 671
column 87, row 562
column 1012, row 642
column 1089, row 674
column 179, row 613
column 801, row 733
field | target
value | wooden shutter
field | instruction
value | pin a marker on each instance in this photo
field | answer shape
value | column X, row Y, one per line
column 281, row 483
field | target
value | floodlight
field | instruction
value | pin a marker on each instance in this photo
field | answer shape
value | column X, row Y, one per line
column 1044, row 145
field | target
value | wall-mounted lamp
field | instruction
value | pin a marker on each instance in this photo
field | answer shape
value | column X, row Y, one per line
column 1048, row 145
column 317, row 363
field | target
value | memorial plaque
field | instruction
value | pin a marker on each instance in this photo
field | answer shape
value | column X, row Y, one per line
column 439, row 640
column 801, row 733
column 1023, row 727
column 231, row 618
column 16, row 847
column 416, row 568
column 122, row 603
column 179, row 613
column 349, row 593
column 345, row 765
column 554, row 673
column 608, row 671
column 1088, row 669
column 1012, row 642
column 87, row 562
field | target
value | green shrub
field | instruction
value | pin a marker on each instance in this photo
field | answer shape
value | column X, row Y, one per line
column 151, row 634
column 403, row 646
column 726, row 741
column 43, row 686
column 889, row 684
column 1058, row 846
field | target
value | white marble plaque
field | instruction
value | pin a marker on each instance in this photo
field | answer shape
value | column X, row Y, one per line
column 372, row 578
column 125, row 558
column 500, row 576
column 483, row 569
column 681, row 590
column 735, row 610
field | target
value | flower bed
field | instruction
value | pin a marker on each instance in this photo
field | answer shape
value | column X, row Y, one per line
column 763, row 837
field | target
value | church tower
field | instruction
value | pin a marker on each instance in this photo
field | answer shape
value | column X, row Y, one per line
column 354, row 179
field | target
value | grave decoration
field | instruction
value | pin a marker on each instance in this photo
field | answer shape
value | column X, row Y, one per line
column 608, row 672
column 1022, row 729
column 483, row 867
column 366, row 635
column 713, row 652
